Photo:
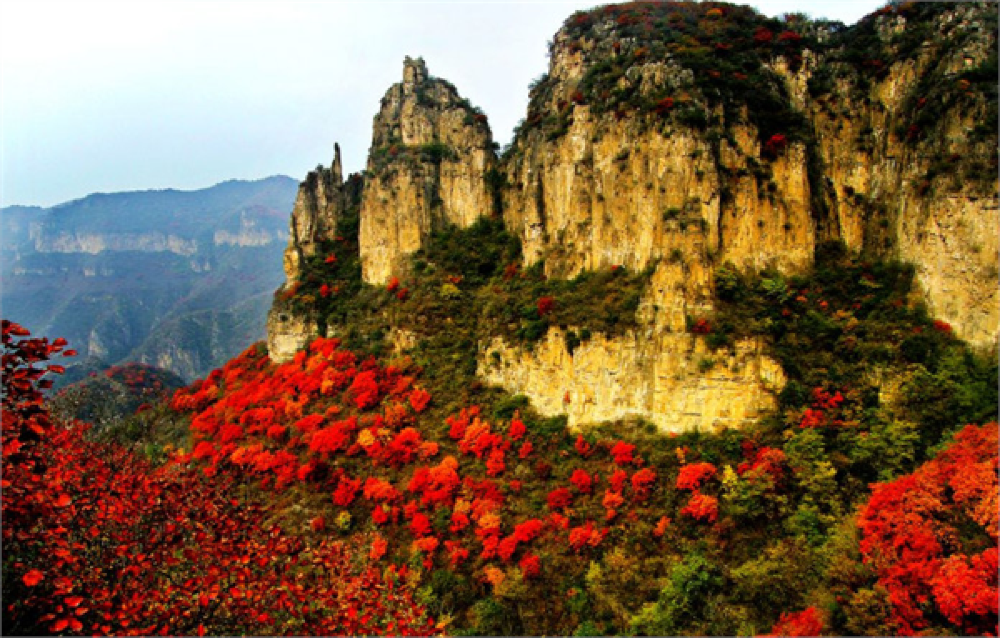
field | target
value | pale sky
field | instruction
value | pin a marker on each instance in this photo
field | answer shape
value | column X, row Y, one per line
column 113, row 96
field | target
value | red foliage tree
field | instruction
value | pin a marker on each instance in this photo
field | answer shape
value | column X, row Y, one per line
column 702, row 507
column 693, row 475
column 365, row 390
column 583, row 482
column 419, row 399
column 622, row 452
column 932, row 536
column 642, row 483
column 559, row 498
column 804, row 623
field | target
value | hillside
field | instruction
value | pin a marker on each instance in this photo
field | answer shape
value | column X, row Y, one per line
column 709, row 349
column 739, row 244
column 177, row 279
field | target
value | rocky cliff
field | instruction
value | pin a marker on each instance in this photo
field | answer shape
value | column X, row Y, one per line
column 635, row 133
column 687, row 139
column 430, row 155
column 319, row 204
column 910, row 156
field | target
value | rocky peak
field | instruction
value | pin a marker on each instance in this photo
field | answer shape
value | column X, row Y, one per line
column 414, row 73
column 318, row 205
column 431, row 151
column 336, row 167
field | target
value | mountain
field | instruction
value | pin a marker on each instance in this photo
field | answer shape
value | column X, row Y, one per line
column 688, row 146
column 709, row 349
column 176, row 279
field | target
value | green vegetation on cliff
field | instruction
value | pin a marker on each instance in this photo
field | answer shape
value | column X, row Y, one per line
column 677, row 62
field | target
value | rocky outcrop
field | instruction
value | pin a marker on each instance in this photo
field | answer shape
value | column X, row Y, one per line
column 613, row 188
column 94, row 243
column 319, row 204
column 287, row 331
column 907, row 191
column 430, row 155
column 671, row 380
column 249, row 233
column 592, row 187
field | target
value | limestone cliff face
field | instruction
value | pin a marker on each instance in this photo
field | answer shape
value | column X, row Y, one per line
column 430, row 155
column 319, row 204
column 906, row 190
column 619, row 187
column 94, row 243
column 614, row 186
column 672, row 380
column 249, row 233
column 321, row 201
column 618, row 190
column 287, row 332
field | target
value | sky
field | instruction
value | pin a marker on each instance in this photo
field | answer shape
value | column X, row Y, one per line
column 102, row 96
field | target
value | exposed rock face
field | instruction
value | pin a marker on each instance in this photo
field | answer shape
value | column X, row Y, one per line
column 672, row 380
column 615, row 187
column 914, row 199
column 249, row 233
column 427, row 166
column 287, row 332
column 318, row 205
column 616, row 192
column 94, row 243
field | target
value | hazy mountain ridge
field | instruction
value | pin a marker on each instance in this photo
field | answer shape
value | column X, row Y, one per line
column 115, row 272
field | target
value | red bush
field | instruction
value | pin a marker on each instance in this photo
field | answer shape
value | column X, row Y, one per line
column 693, row 475
column 642, row 483
column 804, row 623
column 559, row 498
column 530, row 566
column 774, row 145
column 582, row 481
column 702, row 507
column 517, row 429
column 622, row 452
column 763, row 35
column 789, row 36
column 365, row 390
column 545, row 305
column 942, row 326
column 98, row 537
column 701, row 327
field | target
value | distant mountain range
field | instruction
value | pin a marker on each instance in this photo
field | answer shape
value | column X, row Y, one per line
column 181, row 280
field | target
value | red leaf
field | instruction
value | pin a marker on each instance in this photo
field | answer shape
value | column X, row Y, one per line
column 33, row 577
